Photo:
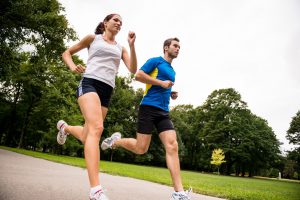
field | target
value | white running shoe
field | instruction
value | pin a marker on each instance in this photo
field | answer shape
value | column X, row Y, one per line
column 182, row 196
column 61, row 135
column 108, row 142
column 99, row 195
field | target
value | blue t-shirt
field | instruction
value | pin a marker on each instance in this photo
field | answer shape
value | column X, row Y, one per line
column 155, row 95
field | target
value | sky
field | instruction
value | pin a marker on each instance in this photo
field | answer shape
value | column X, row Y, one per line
column 252, row 46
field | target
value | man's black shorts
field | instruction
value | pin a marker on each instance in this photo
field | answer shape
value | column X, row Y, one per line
column 150, row 117
column 103, row 90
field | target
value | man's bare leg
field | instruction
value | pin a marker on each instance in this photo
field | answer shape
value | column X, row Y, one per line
column 139, row 145
column 169, row 141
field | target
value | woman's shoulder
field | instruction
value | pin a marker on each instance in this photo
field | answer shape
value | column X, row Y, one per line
column 91, row 36
column 88, row 38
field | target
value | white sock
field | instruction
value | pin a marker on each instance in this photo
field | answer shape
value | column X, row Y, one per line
column 95, row 189
column 181, row 192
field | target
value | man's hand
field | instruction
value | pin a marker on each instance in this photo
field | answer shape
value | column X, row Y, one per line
column 174, row 95
column 166, row 84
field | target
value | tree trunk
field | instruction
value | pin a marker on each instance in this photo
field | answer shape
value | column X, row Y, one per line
column 111, row 155
column 250, row 173
column 13, row 119
column 25, row 125
column 237, row 170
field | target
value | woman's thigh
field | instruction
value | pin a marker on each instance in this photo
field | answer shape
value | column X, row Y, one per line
column 90, row 106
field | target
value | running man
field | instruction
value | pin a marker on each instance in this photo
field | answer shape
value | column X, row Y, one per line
column 159, row 77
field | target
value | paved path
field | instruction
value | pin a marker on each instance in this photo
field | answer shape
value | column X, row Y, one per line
column 24, row 177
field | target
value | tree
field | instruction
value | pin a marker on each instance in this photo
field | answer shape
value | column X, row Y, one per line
column 293, row 134
column 249, row 144
column 35, row 26
column 217, row 158
column 32, row 35
column 223, row 113
column 293, row 157
column 182, row 116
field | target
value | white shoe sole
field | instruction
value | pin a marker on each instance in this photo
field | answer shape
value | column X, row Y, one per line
column 59, row 138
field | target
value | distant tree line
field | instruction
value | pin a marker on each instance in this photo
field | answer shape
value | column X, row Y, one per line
column 37, row 89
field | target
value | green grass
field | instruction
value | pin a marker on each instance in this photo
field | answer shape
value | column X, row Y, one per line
column 229, row 187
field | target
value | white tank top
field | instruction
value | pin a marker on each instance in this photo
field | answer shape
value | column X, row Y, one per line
column 103, row 61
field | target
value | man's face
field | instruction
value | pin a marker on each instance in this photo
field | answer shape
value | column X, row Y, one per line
column 173, row 49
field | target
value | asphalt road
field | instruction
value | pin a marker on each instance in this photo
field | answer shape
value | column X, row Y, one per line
column 27, row 178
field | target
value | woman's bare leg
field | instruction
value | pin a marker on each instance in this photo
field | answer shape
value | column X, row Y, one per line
column 93, row 113
column 76, row 131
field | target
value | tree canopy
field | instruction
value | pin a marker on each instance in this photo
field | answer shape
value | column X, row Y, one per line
column 293, row 133
column 292, row 169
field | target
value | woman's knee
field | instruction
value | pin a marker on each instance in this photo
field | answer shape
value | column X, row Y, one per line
column 95, row 129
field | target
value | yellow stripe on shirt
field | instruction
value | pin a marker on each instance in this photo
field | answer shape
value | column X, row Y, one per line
column 153, row 74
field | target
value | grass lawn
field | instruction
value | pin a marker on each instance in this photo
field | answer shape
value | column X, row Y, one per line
column 228, row 187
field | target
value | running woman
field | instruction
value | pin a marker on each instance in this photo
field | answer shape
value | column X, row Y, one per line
column 95, row 90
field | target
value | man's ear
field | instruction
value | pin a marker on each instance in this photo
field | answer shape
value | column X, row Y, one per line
column 166, row 48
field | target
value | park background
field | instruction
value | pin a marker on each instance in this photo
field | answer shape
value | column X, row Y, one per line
column 251, row 46
column 237, row 77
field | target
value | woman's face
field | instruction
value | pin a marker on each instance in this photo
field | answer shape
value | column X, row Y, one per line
column 114, row 24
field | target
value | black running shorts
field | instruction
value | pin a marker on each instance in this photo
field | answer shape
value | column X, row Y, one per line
column 103, row 90
column 150, row 117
